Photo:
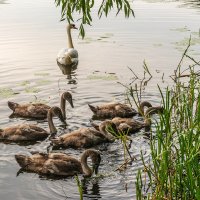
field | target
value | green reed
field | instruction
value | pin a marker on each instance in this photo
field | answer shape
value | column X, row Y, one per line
column 124, row 138
column 174, row 169
column 80, row 187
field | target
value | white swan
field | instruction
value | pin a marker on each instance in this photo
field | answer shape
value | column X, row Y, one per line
column 68, row 56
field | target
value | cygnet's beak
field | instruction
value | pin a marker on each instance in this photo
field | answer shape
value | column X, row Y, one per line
column 75, row 27
column 71, row 103
column 95, row 168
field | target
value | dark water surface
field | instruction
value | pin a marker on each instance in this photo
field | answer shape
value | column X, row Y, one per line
column 30, row 38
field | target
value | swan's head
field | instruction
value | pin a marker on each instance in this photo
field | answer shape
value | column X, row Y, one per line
column 72, row 26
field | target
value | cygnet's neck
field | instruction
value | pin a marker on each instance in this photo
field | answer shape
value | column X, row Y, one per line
column 143, row 105
column 150, row 111
column 62, row 106
column 86, row 169
column 50, row 122
column 103, row 129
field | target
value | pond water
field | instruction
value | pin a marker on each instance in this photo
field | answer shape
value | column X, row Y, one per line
column 30, row 38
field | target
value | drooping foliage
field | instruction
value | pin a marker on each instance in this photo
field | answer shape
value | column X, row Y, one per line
column 83, row 9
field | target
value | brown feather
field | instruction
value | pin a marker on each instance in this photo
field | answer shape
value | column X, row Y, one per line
column 56, row 163
column 23, row 132
column 81, row 138
column 37, row 110
column 112, row 110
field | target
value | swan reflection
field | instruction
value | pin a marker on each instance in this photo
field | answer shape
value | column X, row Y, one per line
column 69, row 70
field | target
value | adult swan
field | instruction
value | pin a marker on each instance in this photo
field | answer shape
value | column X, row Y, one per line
column 68, row 56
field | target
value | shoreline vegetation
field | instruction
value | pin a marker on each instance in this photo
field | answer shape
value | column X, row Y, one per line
column 173, row 171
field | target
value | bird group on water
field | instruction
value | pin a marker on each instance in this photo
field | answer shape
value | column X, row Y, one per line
column 115, row 117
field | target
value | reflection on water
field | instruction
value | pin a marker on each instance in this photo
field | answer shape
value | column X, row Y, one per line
column 191, row 3
column 187, row 3
column 20, row 143
column 91, row 189
column 69, row 70
column 30, row 37
column 3, row 1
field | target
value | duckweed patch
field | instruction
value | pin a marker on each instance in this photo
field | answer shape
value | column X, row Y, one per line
column 24, row 83
column 109, row 34
column 43, row 82
column 87, row 40
column 180, row 45
column 197, row 34
column 31, row 90
column 7, row 92
column 84, row 42
column 181, row 29
column 41, row 74
column 157, row 45
column 104, row 37
column 107, row 77
column 184, row 42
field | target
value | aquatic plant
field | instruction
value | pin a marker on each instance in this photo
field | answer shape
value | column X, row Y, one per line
column 80, row 187
column 7, row 92
column 124, row 138
column 106, row 77
column 173, row 172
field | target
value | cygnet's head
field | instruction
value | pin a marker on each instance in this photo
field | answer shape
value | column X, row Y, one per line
column 108, row 126
column 68, row 97
column 96, row 159
column 56, row 111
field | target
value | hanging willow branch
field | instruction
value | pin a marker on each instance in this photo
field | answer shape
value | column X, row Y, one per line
column 83, row 8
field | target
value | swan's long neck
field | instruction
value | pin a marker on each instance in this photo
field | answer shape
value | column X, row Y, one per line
column 62, row 106
column 86, row 169
column 50, row 122
column 70, row 43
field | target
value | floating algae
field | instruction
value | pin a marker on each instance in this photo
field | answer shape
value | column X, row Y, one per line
column 182, row 29
column 7, row 92
column 31, row 90
column 24, row 83
column 43, row 82
column 41, row 74
column 107, row 77
column 157, row 45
